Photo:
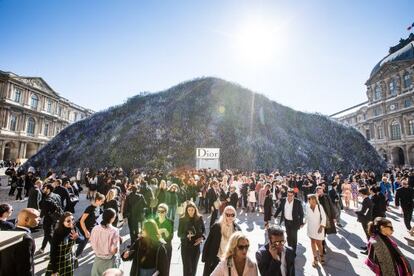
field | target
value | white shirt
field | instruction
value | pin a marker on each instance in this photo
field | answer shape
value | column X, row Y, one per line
column 288, row 209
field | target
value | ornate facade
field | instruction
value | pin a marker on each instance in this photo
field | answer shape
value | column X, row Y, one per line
column 31, row 114
column 387, row 121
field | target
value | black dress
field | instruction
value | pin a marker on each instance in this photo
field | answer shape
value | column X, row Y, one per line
column 268, row 206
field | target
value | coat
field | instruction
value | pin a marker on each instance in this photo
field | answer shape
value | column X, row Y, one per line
column 330, row 212
column 222, row 269
column 297, row 212
column 18, row 258
column 269, row 267
column 134, row 208
column 162, row 262
column 212, row 244
column 35, row 196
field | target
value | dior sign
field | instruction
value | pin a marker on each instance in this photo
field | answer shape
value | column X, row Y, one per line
column 208, row 153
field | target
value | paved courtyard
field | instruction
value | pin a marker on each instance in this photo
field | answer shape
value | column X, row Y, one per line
column 343, row 258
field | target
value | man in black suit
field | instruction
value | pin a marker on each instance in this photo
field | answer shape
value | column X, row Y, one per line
column 270, row 256
column 18, row 258
column 292, row 213
column 404, row 197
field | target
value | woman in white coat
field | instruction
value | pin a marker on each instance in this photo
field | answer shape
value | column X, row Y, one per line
column 235, row 261
column 316, row 220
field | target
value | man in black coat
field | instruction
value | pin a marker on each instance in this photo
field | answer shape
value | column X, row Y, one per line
column 292, row 213
column 404, row 197
column 50, row 210
column 18, row 258
column 35, row 196
column 63, row 194
column 134, row 210
column 269, row 257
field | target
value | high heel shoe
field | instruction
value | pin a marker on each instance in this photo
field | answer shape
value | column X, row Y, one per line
column 315, row 262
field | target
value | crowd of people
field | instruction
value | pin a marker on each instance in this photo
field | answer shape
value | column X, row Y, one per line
column 149, row 203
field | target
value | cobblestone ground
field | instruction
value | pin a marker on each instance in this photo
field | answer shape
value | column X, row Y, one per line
column 343, row 258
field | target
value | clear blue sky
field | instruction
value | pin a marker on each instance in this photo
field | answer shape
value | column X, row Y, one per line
column 99, row 53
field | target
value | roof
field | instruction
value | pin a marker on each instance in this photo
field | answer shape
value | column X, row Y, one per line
column 404, row 54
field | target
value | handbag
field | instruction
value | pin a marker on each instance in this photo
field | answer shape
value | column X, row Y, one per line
column 217, row 204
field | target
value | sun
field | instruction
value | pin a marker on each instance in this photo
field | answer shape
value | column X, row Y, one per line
column 256, row 41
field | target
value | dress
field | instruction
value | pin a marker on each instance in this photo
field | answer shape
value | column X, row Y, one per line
column 314, row 219
column 354, row 190
column 346, row 191
column 252, row 196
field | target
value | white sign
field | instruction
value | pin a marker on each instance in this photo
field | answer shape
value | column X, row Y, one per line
column 208, row 153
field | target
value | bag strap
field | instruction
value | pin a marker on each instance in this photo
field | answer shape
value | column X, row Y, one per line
column 320, row 215
column 229, row 265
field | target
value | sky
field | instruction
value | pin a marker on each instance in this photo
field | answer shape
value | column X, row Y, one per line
column 313, row 56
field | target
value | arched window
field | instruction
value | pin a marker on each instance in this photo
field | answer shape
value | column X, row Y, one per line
column 407, row 80
column 377, row 93
column 31, row 124
column 393, row 87
column 35, row 101
column 395, row 131
column 13, row 122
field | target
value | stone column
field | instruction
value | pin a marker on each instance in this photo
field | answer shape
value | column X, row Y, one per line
column 22, row 150
column 3, row 148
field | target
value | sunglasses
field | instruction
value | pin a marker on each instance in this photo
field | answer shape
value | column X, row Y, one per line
column 242, row 247
column 230, row 215
column 69, row 220
column 282, row 242
column 161, row 211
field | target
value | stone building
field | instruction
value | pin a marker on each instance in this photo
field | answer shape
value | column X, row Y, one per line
column 387, row 121
column 31, row 114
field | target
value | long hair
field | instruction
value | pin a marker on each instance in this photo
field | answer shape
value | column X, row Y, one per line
column 222, row 218
column 60, row 227
column 151, row 228
column 191, row 204
column 111, row 195
column 232, row 244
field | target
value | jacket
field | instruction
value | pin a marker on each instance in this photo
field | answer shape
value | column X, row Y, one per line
column 297, row 212
column 18, row 258
column 212, row 244
column 270, row 267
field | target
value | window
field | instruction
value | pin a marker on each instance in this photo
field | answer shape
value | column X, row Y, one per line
column 368, row 134
column 407, row 103
column 393, row 88
column 411, row 127
column 17, row 95
column 31, row 126
column 377, row 93
column 13, row 122
column 46, row 130
column 380, row 132
column 377, row 111
column 35, row 101
column 407, row 80
column 395, row 131
column 60, row 111
column 49, row 106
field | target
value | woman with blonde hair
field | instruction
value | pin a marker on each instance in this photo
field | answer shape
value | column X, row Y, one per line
column 235, row 260
column 218, row 239
column 112, row 202
column 316, row 220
